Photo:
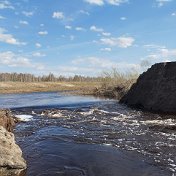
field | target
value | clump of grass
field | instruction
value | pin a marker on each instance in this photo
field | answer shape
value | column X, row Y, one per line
column 115, row 84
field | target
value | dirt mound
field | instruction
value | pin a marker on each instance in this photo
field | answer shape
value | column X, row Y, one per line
column 155, row 89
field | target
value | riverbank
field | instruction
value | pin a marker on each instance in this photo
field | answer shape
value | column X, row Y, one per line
column 99, row 89
column 28, row 87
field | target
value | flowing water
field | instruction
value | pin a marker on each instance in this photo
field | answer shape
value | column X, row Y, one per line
column 86, row 136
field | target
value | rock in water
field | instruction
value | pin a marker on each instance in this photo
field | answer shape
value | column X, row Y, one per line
column 6, row 120
column 155, row 89
column 10, row 153
column 11, row 160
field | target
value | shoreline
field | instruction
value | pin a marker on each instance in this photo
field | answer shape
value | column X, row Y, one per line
column 69, row 88
column 80, row 88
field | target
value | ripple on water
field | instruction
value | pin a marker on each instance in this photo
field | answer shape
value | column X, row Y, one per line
column 123, row 128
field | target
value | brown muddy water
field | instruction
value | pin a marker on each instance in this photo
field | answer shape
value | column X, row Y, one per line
column 86, row 136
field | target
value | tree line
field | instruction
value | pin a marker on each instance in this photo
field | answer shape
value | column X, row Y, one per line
column 25, row 77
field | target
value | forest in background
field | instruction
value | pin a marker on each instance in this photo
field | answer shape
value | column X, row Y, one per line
column 25, row 77
column 111, row 83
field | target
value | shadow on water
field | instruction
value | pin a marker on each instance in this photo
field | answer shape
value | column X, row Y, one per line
column 84, row 136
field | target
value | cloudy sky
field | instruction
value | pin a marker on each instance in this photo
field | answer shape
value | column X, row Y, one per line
column 70, row 37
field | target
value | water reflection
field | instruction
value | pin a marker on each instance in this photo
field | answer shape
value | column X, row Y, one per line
column 42, row 99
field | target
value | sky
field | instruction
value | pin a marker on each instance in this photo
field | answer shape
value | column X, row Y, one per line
column 85, row 37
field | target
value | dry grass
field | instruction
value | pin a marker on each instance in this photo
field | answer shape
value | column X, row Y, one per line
column 20, row 87
column 115, row 84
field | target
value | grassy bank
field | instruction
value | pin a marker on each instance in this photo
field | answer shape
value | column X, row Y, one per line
column 116, row 84
column 26, row 87
column 112, row 84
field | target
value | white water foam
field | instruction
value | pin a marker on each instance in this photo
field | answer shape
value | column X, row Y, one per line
column 24, row 117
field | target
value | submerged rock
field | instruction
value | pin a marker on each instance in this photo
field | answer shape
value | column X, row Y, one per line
column 155, row 89
column 11, row 160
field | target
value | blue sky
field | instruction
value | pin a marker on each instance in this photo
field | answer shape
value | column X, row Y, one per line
column 85, row 36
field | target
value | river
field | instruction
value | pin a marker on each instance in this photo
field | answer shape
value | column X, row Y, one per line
column 66, row 135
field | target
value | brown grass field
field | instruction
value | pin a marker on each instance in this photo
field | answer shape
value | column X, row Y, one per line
column 26, row 87
column 113, row 84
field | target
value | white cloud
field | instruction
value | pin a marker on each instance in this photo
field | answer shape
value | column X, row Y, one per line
column 16, row 27
column 160, row 3
column 79, row 29
column 58, row 15
column 68, row 27
column 106, row 49
column 27, row 14
column 43, row 32
column 38, row 54
column 125, row 42
column 93, row 66
column 122, row 42
column 116, row 2
column 173, row 14
column 95, row 2
column 23, row 22
column 107, row 34
column 38, row 45
column 8, row 38
column 94, row 62
column 100, row 30
column 72, row 37
column 102, row 2
column 12, row 59
column 75, row 70
column 167, row 52
column 153, row 46
column 4, row 4
column 95, row 29
column 152, row 56
column 2, row 17
column 84, row 12
column 159, row 55
column 97, row 65
column 162, row 53
column 109, row 41
column 123, row 18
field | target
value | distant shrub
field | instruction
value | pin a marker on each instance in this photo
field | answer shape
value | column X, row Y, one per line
column 115, row 84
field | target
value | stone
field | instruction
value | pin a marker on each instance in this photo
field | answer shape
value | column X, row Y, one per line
column 10, row 153
column 6, row 120
column 155, row 89
column 11, row 160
